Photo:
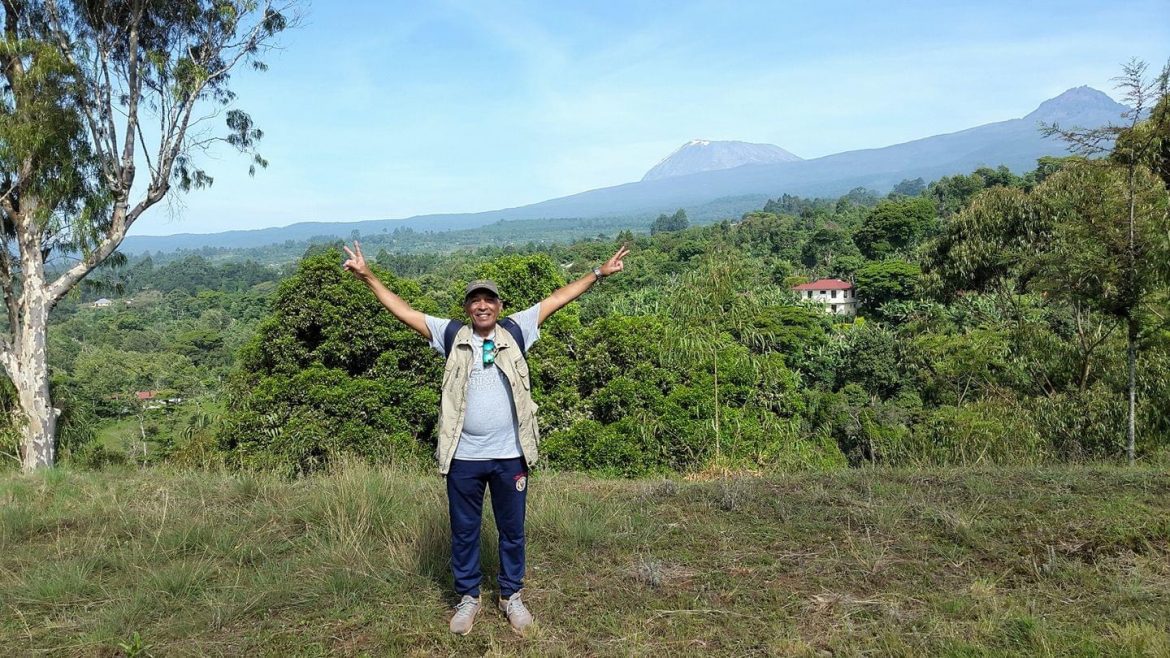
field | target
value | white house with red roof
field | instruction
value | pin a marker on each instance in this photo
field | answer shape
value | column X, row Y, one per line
column 839, row 297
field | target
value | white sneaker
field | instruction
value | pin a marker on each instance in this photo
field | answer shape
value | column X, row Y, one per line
column 518, row 615
column 465, row 613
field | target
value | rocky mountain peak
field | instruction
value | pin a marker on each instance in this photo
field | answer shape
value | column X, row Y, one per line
column 706, row 155
column 1079, row 106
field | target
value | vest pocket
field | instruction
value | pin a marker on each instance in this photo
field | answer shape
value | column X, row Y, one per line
column 521, row 366
column 448, row 374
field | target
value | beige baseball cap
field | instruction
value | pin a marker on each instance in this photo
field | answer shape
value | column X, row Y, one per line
column 481, row 284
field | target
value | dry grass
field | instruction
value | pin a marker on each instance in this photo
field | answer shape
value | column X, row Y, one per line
column 1068, row 561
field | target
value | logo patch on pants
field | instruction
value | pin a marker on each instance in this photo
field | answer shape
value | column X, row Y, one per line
column 521, row 482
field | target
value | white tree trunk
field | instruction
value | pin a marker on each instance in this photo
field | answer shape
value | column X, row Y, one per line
column 38, row 446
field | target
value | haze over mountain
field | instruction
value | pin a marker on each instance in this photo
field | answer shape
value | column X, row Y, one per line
column 700, row 155
column 1015, row 143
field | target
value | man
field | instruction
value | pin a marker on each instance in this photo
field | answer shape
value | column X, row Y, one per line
column 487, row 424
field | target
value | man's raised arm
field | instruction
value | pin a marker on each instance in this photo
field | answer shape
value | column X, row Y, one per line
column 393, row 303
column 569, row 292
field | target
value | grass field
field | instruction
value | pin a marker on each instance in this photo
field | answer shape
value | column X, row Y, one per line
column 1061, row 561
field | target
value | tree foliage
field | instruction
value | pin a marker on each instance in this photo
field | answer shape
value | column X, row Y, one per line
column 895, row 227
column 330, row 373
column 668, row 223
column 887, row 281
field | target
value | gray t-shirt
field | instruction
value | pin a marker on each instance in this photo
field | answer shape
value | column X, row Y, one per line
column 490, row 430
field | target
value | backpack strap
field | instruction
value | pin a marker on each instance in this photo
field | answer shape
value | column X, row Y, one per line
column 453, row 328
column 511, row 325
column 513, row 328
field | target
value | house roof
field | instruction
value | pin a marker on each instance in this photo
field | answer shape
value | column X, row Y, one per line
column 825, row 284
column 146, row 395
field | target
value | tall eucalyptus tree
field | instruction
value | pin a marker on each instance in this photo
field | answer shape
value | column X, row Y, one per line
column 92, row 91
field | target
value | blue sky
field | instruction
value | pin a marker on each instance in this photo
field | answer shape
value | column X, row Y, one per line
column 376, row 110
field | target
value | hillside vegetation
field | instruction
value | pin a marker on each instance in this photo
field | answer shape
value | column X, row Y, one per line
column 996, row 312
column 1003, row 319
column 976, row 562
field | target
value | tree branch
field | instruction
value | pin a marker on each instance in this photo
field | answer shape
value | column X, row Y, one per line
column 13, row 68
column 132, row 111
column 105, row 90
column 145, row 152
column 175, row 116
column 14, row 73
column 83, row 100
column 64, row 283
column 7, row 196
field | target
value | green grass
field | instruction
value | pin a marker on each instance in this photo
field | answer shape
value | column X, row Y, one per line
column 1054, row 561
column 122, row 436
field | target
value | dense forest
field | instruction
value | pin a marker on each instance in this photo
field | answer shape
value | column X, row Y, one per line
column 997, row 317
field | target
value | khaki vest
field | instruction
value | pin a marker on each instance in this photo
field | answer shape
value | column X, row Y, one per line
column 510, row 361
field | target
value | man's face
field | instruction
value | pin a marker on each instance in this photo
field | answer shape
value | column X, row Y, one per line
column 483, row 308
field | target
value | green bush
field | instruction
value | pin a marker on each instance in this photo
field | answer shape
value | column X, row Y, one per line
column 331, row 373
column 986, row 432
column 303, row 422
column 887, row 281
column 588, row 445
column 1083, row 425
column 96, row 456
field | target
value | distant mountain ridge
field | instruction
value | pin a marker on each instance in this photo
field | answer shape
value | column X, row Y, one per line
column 700, row 155
column 1015, row 143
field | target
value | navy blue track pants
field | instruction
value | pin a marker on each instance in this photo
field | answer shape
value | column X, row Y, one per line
column 508, row 481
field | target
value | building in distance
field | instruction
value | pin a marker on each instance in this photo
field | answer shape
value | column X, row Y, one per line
column 838, row 297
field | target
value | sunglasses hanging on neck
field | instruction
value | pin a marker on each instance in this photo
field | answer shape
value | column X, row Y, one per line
column 489, row 352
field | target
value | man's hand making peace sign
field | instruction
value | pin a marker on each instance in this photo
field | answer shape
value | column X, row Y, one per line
column 356, row 262
column 568, row 293
column 614, row 264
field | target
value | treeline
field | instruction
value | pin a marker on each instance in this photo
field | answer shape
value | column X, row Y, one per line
column 972, row 345
column 999, row 313
column 170, row 331
column 190, row 274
